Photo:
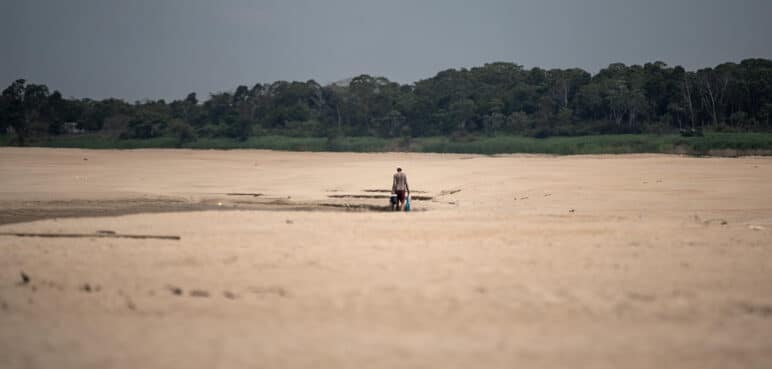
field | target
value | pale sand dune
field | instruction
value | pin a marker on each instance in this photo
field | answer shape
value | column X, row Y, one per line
column 665, row 261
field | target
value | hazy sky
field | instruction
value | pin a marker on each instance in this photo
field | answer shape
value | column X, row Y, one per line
column 167, row 48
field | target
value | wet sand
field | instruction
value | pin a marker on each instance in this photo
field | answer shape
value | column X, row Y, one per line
column 290, row 260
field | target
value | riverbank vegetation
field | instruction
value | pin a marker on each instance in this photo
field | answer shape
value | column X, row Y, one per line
column 495, row 108
column 713, row 144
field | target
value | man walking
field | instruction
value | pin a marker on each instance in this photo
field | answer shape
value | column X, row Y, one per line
column 400, row 187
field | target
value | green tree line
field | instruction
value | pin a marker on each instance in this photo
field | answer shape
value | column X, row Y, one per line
column 497, row 98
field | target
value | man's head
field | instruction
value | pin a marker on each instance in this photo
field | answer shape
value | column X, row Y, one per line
column 399, row 169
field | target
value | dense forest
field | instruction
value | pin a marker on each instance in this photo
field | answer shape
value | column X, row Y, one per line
column 495, row 99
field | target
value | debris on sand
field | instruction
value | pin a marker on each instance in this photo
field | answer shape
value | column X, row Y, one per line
column 715, row 220
column 105, row 232
column 449, row 192
column 756, row 309
column 199, row 293
column 289, row 221
column 230, row 295
column 25, row 279
column 89, row 288
column 755, row 227
column 175, row 290
column 571, row 210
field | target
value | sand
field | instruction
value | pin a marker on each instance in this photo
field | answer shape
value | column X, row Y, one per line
column 634, row 261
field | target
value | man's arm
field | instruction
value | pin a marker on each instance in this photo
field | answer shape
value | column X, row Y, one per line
column 394, row 184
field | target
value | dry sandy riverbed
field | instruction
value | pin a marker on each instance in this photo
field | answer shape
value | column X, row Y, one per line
column 286, row 261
